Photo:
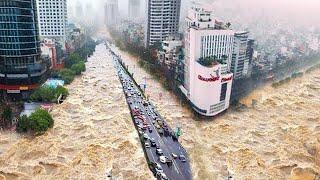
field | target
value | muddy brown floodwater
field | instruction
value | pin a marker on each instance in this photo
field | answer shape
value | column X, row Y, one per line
column 93, row 133
column 278, row 138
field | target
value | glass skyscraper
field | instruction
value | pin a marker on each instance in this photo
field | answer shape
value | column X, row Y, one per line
column 20, row 65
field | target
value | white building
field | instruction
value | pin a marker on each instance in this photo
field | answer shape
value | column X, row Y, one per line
column 162, row 20
column 111, row 12
column 53, row 19
column 240, row 58
column 171, row 47
column 207, row 85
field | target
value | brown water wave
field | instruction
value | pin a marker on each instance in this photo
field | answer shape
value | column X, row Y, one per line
column 93, row 134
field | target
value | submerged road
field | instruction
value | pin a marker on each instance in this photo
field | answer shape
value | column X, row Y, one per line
column 166, row 156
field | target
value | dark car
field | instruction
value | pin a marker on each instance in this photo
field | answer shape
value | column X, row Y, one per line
column 153, row 144
column 174, row 137
column 168, row 161
column 160, row 131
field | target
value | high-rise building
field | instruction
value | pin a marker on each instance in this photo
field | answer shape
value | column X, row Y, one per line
column 162, row 20
column 79, row 10
column 250, row 50
column 90, row 20
column 53, row 19
column 111, row 12
column 134, row 10
column 208, row 51
column 240, row 58
column 20, row 65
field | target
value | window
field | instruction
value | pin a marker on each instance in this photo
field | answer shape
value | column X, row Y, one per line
column 223, row 93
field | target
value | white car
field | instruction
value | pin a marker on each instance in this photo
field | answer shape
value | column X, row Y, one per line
column 163, row 176
column 163, row 159
column 174, row 155
column 158, row 168
column 159, row 151
column 145, row 135
column 147, row 145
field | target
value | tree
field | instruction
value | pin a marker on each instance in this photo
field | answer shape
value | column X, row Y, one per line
column 7, row 115
column 228, row 25
column 78, row 68
column 73, row 58
column 40, row 121
column 224, row 59
column 43, row 94
column 23, row 124
column 61, row 90
column 67, row 75
column 48, row 94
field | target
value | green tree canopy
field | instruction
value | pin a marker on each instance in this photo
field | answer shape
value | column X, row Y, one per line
column 7, row 115
column 67, row 75
column 40, row 121
column 23, row 124
column 61, row 90
column 48, row 94
column 78, row 68
column 73, row 58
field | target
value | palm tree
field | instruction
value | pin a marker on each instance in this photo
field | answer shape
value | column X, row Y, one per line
column 228, row 25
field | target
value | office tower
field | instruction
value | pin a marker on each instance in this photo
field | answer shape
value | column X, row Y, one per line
column 240, row 59
column 111, row 12
column 250, row 51
column 53, row 17
column 162, row 20
column 20, row 65
column 134, row 10
column 79, row 10
column 208, row 46
column 90, row 20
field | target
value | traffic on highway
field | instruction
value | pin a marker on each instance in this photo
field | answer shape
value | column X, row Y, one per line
column 166, row 157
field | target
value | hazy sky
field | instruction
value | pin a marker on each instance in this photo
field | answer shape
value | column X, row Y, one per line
column 296, row 12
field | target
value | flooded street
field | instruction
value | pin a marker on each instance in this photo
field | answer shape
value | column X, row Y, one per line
column 93, row 133
column 278, row 138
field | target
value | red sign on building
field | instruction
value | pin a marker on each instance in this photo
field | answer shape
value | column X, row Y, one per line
column 211, row 79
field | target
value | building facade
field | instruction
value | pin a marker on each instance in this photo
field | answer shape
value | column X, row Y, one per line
column 79, row 9
column 53, row 19
column 111, row 12
column 162, row 20
column 134, row 10
column 242, row 55
column 168, row 56
column 49, row 50
column 21, row 67
column 207, row 77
